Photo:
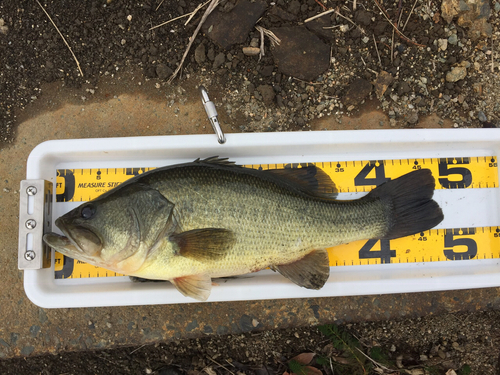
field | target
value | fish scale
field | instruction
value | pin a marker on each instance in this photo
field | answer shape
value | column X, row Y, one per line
column 235, row 201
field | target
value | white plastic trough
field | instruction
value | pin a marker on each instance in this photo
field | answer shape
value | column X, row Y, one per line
column 480, row 206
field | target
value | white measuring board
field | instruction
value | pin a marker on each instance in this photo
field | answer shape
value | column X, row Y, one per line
column 463, row 208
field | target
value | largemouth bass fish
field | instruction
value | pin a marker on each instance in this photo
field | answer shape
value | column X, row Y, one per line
column 189, row 223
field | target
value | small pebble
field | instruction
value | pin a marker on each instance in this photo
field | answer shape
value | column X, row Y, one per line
column 254, row 42
column 442, row 44
column 481, row 116
column 251, row 51
column 453, row 39
column 3, row 27
column 441, row 354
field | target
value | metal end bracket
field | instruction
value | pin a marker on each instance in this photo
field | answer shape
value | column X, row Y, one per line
column 35, row 219
column 212, row 114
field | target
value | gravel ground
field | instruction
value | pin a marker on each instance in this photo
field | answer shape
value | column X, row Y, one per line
column 429, row 345
column 111, row 37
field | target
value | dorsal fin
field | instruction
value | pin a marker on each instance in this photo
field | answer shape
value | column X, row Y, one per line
column 311, row 180
column 217, row 160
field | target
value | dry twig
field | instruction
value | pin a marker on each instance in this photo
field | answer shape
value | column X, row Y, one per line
column 65, row 42
column 392, row 45
column 376, row 363
column 322, row 5
column 492, row 63
column 140, row 347
column 195, row 11
column 319, row 15
column 395, row 26
column 409, row 15
column 348, row 19
column 172, row 20
column 211, row 7
column 159, row 5
column 190, row 15
column 261, row 31
column 272, row 37
column 376, row 48
column 224, row 367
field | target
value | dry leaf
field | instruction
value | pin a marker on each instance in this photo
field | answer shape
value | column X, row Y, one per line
column 451, row 372
column 342, row 360
column 304, row 358
column 309, row 370
column 312, row 370
column 209, row 371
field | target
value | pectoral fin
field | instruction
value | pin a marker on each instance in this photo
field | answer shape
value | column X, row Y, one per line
column 194, row 286
column 204, row 244
column 311, row 272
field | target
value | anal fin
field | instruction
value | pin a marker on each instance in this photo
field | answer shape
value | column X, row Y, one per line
column 311, row 271
column 194, row 286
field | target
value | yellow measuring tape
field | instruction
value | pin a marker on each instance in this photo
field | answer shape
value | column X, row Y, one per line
column 79, row 185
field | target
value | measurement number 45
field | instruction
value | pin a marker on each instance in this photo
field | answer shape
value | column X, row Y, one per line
column 456, row 247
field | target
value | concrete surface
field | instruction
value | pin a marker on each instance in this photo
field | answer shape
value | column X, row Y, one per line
column 131, row 107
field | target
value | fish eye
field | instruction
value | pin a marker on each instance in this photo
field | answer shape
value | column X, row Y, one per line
column 87, row 211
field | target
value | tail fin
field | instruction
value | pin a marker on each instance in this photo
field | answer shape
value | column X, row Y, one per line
column 410, row 205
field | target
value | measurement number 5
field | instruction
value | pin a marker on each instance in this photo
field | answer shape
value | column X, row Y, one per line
column 450, row 242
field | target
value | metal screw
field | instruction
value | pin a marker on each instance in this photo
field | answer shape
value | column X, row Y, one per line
column 30, row 224
column 31, row 190
column 29, row 255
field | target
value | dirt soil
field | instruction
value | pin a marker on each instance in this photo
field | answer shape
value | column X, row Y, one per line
column 465, row 343
column 111, row 37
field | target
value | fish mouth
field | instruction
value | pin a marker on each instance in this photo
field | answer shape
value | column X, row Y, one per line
column 76, row 239
column 61, row 244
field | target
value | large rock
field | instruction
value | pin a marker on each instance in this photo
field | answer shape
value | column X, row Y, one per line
column 300, row 54
column 358, row 90
column 471, row 13
column 233, row 27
